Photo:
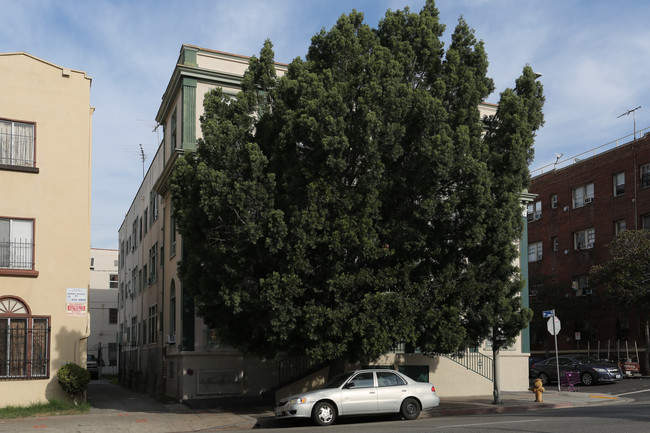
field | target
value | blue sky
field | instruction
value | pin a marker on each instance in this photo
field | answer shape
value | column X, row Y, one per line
column 593, row 56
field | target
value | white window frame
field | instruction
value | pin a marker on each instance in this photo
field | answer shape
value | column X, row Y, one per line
column 581, row 285
column 619, row 226
column 17, row 244
column 153, row 263
column 534, row 210
column 584, row 239
column 644, row 172
column 535, row 252
column 153, row 324
column 582, row 195
column 619, row 183
column 17, row 143
column 645, row 221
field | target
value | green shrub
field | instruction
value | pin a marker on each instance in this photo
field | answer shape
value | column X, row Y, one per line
column 73, row 378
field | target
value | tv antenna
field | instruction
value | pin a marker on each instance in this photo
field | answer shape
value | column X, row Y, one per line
column 144, row 157
column 633, row 111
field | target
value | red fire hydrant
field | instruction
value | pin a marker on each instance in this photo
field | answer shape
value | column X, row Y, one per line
column 538, row 389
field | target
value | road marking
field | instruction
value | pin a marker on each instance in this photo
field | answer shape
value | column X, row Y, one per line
column 603, row 396
column 489, row 423
column 633, row 392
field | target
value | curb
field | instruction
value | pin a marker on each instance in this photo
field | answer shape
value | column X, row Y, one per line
column 495, row 409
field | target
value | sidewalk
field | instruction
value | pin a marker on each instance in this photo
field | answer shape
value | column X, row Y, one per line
column 116, row 409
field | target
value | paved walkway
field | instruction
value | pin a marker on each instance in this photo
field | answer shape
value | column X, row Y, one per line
column 116, row 409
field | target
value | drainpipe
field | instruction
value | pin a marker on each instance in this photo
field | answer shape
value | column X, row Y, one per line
column 84, row 336
column 636, row 216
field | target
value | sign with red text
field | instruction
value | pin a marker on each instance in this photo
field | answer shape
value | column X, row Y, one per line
column 76, row 302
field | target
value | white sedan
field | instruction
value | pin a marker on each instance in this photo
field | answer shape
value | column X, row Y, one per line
column 361, row 392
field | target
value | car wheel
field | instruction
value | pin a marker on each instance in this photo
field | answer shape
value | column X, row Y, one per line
column 323, row 413
column 587, row 379
column 544, row 378
column 410, row 409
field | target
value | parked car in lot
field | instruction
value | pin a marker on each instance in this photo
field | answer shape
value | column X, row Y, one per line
column 92, row 365
column 361, row 392
column 591, row 369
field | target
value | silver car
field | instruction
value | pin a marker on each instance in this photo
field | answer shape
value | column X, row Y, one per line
column 361, row 392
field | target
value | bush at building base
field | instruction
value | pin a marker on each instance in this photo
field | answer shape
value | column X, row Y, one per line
column 73, row 379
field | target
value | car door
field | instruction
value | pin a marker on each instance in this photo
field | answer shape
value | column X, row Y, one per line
column 550, row 368
column 359, row 395
column 568, row 365
column 391, row 390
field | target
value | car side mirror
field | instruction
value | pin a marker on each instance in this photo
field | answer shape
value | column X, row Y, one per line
column 348, row 385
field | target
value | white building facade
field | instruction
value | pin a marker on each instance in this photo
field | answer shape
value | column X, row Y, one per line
column 102, row 307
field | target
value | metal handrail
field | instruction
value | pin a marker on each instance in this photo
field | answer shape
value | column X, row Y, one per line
column 474, row 361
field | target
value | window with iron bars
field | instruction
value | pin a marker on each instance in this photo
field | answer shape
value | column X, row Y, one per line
column 17, row 143
column 16, row 244
column 24, row 342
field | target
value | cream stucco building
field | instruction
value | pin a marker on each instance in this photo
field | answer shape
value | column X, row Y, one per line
column 165, row 348
column 102, row 307
column 45, row 164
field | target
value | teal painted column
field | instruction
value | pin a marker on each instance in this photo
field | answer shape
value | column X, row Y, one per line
column 187, row 317
column 523, row 265
column 189, row 114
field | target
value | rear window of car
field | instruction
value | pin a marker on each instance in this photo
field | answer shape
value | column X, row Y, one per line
column 385, row 378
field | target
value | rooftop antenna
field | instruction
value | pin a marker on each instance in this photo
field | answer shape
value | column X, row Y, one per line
column 142, row 155
column 633, row 111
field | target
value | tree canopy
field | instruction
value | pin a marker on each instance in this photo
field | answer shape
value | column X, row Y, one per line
column 626, row 276
column 360, row 201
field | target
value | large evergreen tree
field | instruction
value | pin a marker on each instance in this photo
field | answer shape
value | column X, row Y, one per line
column 358, row 201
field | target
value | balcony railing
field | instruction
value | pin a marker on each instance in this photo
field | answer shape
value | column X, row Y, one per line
column 16, row 149
column 16, row 255
column 562, row 163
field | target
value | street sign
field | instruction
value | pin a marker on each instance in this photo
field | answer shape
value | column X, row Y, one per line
column 547, row 313
column 553, row 329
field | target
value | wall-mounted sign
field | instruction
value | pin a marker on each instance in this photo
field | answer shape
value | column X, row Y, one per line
column 76, row 302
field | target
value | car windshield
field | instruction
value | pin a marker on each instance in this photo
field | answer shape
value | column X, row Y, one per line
column 337, row 381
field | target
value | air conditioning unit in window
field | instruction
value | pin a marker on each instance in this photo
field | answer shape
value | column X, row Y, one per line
column 590, row 292
column 588, row 199
column 590, row 245
column 171, row 338
column 537, row 216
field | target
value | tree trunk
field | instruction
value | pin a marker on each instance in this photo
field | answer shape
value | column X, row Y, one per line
column 495, row 377
column 646, row 356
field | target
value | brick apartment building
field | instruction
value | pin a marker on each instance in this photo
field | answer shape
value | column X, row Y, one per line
column 581, row 204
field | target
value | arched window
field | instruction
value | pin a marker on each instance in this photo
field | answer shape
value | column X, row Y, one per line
column 24, row 341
